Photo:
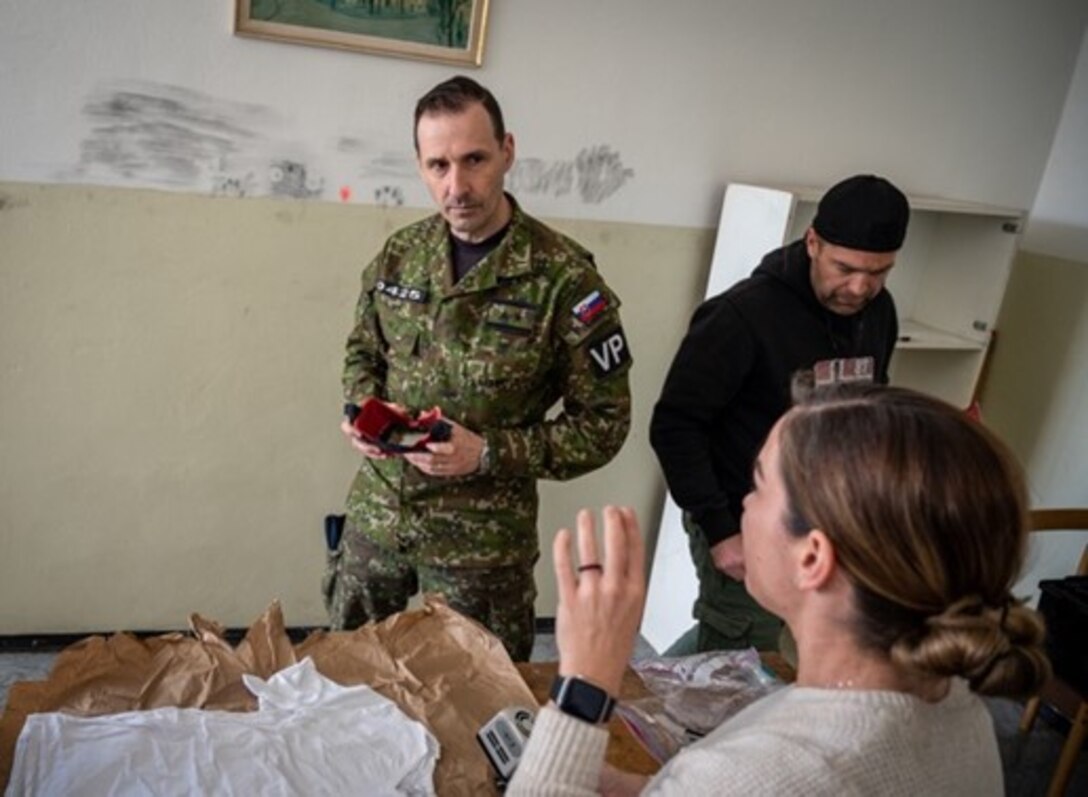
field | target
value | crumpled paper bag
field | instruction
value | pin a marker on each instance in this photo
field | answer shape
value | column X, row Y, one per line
column 440, row 667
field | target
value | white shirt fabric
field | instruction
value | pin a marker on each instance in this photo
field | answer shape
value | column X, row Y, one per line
column 308, row 736
column 796, row 741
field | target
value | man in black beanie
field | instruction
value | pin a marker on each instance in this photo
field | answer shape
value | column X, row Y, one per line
column 817, row 305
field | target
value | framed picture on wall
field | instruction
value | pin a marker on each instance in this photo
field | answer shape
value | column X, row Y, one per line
column 447, row 31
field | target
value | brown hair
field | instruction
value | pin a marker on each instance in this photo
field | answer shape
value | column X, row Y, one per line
column 454, row 96
column 927, row 513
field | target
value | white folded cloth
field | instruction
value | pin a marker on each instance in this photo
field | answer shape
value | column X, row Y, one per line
column 309, row 736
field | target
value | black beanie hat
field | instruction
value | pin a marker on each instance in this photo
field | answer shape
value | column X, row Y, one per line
column 863, row 212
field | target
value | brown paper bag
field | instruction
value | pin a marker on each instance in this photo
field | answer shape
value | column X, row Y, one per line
column 440, row 667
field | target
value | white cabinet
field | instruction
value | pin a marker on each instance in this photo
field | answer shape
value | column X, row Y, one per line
column 948, row 283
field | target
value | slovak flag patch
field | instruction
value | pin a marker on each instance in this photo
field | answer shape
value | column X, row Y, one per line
column 590, row 307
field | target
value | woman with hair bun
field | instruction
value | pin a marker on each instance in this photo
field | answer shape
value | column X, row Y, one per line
column 886, row 529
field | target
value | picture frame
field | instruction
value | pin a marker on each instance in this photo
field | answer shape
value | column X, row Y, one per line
column 443, row 31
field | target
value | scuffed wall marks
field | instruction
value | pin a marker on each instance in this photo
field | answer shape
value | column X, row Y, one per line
column 601, row 173
column 164, row 135
column 152, row 135
column 394, row 172
column 289, row 178
column 535, row 176
column 383, row 164
column 8, row 202
column 596, row 172
column 388, row 196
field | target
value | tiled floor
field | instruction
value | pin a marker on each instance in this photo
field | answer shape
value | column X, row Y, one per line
column 1028, row 759
column 22, row 667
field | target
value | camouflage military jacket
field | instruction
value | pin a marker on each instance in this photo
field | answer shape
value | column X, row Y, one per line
column 531, row 324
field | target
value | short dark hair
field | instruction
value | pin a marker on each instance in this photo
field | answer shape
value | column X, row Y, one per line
column 454, row 96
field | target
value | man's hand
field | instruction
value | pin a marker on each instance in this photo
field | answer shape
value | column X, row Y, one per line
column 458, row 456
column 728, row 556
column 357, row 442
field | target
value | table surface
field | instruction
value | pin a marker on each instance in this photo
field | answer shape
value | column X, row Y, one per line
column 624, row 750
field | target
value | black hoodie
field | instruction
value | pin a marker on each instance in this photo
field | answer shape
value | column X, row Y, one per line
column 730, row 380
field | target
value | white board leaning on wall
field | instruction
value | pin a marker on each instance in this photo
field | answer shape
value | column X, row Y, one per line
column 753, row 221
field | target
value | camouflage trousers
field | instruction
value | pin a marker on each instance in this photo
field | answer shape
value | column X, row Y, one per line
column 365, row 582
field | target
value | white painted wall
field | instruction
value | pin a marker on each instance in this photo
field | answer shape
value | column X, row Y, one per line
column 1059, row 228
column 948, row 99
column 1057, row 459
column 1058, row 225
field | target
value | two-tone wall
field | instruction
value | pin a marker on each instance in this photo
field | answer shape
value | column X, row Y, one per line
column 179, row 256
column 1037, row 396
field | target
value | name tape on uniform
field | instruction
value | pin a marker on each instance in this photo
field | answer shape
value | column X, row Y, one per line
column 406, row 292
column 609, row 352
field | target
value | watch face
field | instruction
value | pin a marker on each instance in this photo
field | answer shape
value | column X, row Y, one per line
column 582, row 699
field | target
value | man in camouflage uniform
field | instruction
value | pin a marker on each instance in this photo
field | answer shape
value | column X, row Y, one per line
column 493, row 317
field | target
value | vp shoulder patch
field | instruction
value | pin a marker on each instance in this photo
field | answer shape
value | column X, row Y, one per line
column 609, row 352
column 406, row 292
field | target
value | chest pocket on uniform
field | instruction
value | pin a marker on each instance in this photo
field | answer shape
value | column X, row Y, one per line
column 511, row 348
column 506, row 319
column 401, row 323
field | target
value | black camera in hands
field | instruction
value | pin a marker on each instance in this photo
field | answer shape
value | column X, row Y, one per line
column 394, row 431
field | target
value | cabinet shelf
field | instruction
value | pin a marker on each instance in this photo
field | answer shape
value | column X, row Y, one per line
column 921, row 337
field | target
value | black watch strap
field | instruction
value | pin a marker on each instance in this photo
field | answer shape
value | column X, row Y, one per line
column 582, row 699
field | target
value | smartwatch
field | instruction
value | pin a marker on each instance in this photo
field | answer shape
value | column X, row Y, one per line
column 582, row 699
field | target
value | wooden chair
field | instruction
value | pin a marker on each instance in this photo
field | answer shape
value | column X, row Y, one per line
column 1058, row 691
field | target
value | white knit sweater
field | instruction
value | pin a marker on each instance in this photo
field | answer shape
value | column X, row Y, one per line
column 796, row 741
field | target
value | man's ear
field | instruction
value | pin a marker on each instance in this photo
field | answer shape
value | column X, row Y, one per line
column 816, row 561
column 812, row 243
column 508, row 151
